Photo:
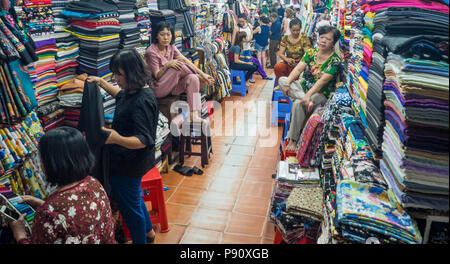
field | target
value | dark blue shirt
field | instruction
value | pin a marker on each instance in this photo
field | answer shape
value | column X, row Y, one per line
column 276, row 31
column 263, row 38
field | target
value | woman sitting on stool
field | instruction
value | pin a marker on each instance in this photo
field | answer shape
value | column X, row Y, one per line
column 320, row 67
column 235, row 59
column 172, row 73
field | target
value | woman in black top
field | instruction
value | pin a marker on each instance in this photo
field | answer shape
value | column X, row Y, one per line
column 132, row 139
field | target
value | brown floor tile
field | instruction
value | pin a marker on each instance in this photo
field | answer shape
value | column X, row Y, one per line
column 217, row 200
column 197, row 182
column 210, row 219
column 225, row 185
column 179, row 214
column 245, row 224
column 266, row 241
column 192, row 161
column 269, row 152
column 237, row 160
column 252, row 205
column 172, row 178
column 186, row 196
column 269, row 231
column 264, row 162
column 237, row 239
column 257, row 174
column 223, row 139
column 212, row 167
column 241, row 150
column 195, row 235
column 220, row 148
column 172, row 237
column 256, row 189
column 229, row 171
column 169, row 192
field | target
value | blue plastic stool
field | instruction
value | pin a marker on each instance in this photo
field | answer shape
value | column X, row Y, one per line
column 281, row 107
column 238, row 85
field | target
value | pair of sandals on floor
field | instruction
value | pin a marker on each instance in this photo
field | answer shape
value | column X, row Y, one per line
column 186, row 170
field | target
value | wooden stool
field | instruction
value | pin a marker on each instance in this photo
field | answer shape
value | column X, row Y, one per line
column 205, row 141
column 164, row 106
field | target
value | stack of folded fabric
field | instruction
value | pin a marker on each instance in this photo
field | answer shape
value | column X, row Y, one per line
column 38, row 18
column 129, row 34
column 178, row 5
column 162, row 144
column 43, row 73
column 152, row 4
column 142, row 17
column 95, row 24
column 53, row 120
column 161, row 15
column 179, row 26
column 71, row 116
column 303, row 214
column 163, row 4
column 416, row 144
column 66, row 59
column 188, row 25
column 365, row 211
column 71, row 97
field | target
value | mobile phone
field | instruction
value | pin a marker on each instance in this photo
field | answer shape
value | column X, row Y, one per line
column 13, row 215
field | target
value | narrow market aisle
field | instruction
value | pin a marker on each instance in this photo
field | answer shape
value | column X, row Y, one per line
column 229, row 203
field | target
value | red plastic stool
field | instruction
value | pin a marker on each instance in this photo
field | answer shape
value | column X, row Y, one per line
column 153, row 191
column 278, row 239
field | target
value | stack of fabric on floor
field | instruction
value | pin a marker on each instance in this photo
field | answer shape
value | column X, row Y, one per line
column 365, row 211
column 162, row 144
column 95, row 24
column 142, row 17
column 129, row 34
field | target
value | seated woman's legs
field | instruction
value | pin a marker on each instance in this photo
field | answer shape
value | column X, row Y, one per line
column 281, row 69
column 190, row 84
column 249, row 69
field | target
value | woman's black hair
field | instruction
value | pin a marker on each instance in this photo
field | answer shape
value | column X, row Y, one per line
column 65, row 155
column 294, row 22
column 265, row 20
column 327, row 29
column 160, row 27
column 244, row 16
column 135, row 69
column 239, row 38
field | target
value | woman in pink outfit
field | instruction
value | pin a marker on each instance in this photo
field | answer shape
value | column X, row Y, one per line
column 172, row 73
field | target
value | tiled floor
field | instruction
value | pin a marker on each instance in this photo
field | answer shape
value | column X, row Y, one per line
column 229, row 203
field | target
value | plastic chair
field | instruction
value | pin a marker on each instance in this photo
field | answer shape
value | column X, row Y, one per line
column 152, row 188
column 281, row 107
column 238, row 85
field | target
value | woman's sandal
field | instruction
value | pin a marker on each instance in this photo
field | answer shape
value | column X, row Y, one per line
column 197, row 170
column 185, row 170
column 151, row 240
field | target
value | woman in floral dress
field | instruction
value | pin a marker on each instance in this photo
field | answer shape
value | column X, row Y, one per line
column 320, row 67
column 78, row 211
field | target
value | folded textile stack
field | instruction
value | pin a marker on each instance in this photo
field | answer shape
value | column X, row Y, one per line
column 152, row 4
column 162, row 145
column 368, row 212
column 109, row 106
column 303, row 214
column 71, row 93
column 38, row 18
column 66, row 58
column 161, row 15
column 43, row 72
column 95, row 24
column 129, row 34
column 71, row 116
column 416, row 144
column 188, row 25
column 178, row 5
column 163, row 4
column 51, row 115
column 179, row 26
column 142, row 17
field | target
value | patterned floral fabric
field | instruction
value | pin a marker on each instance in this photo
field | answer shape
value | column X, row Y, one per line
column 362, row 169
column 306, row 201
column 295, row 51
column 315, row 71
column 78, row 215
column 307, row 145
column 362, row 206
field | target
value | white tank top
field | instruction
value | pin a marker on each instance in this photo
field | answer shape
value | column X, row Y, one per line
column 249, row 33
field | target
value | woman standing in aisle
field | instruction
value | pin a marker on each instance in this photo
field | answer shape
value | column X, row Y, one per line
column 78, row 210
column 132, row 139
column 171, row 72
column 319, row 66
column 288, row 16
column 234, row 57
column 261, row 34
column 292, row 48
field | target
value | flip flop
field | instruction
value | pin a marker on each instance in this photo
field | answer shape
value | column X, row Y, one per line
column 197, row 170
column 185, row 170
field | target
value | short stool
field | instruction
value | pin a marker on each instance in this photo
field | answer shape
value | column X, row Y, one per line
column 238, row 85
column 196, row 132
column 152, row 191
column 281, row 107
